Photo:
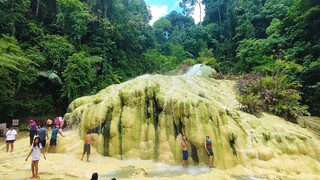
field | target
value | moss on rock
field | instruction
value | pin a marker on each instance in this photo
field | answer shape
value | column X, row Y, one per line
column 146, row 118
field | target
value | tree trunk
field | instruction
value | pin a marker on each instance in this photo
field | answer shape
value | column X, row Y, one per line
column 219, row 15
column 200, row 22
column 37, row 10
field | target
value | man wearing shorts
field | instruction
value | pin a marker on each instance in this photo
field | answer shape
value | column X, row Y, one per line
column 208, row 147
column 53, row 139
column 184, row 145
column 10, row 138
column 87, row 143
column 43, row 135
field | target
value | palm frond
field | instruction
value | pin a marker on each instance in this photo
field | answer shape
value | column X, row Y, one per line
column 52, row 76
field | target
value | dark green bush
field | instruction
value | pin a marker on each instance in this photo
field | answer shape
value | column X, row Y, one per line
column 250, row 103
column 272, row 94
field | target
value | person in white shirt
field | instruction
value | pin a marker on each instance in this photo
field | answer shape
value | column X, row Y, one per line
column 36, row 152
column 10, row 138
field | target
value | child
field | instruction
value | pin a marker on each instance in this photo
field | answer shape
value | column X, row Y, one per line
column 36, row 152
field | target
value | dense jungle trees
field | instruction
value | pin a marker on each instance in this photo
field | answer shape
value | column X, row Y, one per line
column 52, row 52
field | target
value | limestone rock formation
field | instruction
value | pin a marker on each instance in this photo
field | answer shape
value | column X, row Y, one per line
column 146, row 118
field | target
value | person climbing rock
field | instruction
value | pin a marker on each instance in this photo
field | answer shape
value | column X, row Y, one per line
column 208, row 148
column 184, row 145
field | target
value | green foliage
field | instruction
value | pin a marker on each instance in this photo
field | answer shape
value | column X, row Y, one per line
column 189, row 6
column 72, row 18
column 207, row 58
column 270, row 36
column 17, row 74
column 52, row 76
column 79, row 76
column 13, row 14
column 311, row 89
column 178, row 52
column 56, row 50
column 261, row 54
column 34, row 54
column 154, row 60
column 251, row 103
column 11, row 55
column 33, row 32
column 162, row 28
column 270, row 93
column 301, row 27
column 291, row 69
column 251, row 53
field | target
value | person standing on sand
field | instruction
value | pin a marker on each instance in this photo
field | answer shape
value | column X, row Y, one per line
column 87, row 143
column 36, row 152
column 50, row 124
column 184, row 145
column 10, row 138
column 53, row 139
column 208, row 148
column 33, row 130
column 43, row 135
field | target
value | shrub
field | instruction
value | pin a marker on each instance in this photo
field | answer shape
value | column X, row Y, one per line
column 250, row 103
column 273, row 94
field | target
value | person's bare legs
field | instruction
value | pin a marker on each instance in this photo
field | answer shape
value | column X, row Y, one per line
column 211, row 160
column 36, row 168
column 32, row 168
column 12, row 146
column 7, row 146
column 88, row 157
column 82, row 156
column 185, row 163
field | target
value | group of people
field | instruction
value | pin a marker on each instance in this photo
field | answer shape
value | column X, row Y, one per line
column 39, row 134
column 43, row 133
column 38, row 139
column 207, row 147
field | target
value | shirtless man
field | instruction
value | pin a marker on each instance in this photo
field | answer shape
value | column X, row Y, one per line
column 87, row 142
column 184, row 145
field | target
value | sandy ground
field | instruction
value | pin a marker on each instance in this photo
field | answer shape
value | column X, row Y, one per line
column 66, row 164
